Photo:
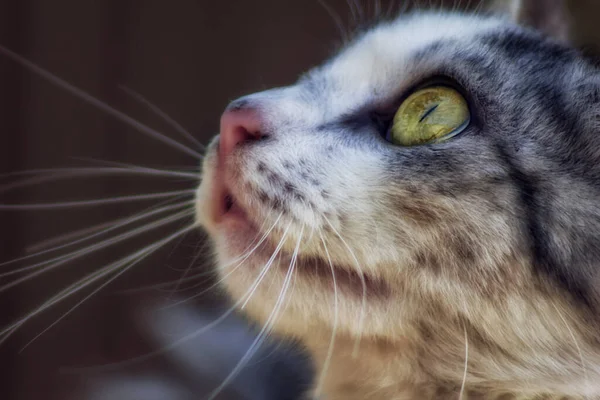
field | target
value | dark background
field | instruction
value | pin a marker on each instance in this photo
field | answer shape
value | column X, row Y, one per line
column 189, row 57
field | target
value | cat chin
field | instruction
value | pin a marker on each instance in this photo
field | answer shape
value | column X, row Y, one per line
column 240, row 247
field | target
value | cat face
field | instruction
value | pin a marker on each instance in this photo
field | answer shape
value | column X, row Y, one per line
column 321, row 223
column 316, row 169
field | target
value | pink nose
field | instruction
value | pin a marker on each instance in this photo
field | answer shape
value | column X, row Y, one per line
column 239, row 126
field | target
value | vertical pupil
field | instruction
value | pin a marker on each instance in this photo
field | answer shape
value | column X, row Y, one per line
column 428, row 112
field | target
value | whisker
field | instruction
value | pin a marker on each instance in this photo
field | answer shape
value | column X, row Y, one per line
column 329, row 355
column 57, row 174
column 64, row 293
column 184, row 275
column 164, row 116
column 97, row 103
column 134, row 260
column 68, row 312
column 268, row 265
column 120, row 167
column 240, row 261
column 56, row 262
column 260, row 338
column 478, row 8
column 364, row 288
column 195, row 169
column 185, row 338
column 167, row 286
column 98, row 202
column 111, row 226
column 88, row 233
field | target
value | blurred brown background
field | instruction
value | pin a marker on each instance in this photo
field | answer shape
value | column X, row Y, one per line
column 189, row 57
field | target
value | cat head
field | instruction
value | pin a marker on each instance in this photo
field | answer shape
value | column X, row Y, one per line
column 439, row 174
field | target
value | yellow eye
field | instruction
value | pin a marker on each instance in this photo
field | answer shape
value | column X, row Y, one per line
column 429, row 115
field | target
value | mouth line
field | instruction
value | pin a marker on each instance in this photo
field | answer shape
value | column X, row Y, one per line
column 347, row 279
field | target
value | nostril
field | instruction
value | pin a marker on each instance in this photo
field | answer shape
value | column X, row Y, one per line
column 261, row 136
column 239, row 126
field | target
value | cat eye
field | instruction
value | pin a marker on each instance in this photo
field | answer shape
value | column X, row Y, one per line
column 429, row 115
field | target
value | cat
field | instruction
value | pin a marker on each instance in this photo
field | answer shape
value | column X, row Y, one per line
column 418, row 213
column 421, row 213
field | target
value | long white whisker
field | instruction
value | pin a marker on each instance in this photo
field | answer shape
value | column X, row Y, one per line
column 109, row 166
column 110, row 163
column 239, row 261
column 97, row 103
column 183, row 277
column 81, row 284
column 190, row 336
column 163, row 115
column 84, row 285
column 329, row 355
column 57, row 174
column 66, row 237
column 168, row 285
column 87, row 203
column 478, row 8
column 267, row 326
column 364, row 288
column 268, row 265
column 63, row 294
column 111, row 227
column 133, row 260
column 56, row 262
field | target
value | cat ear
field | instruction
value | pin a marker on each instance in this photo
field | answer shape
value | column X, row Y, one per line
column 551, row 17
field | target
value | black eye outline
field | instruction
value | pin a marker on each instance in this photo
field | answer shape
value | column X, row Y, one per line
column 382, row 119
